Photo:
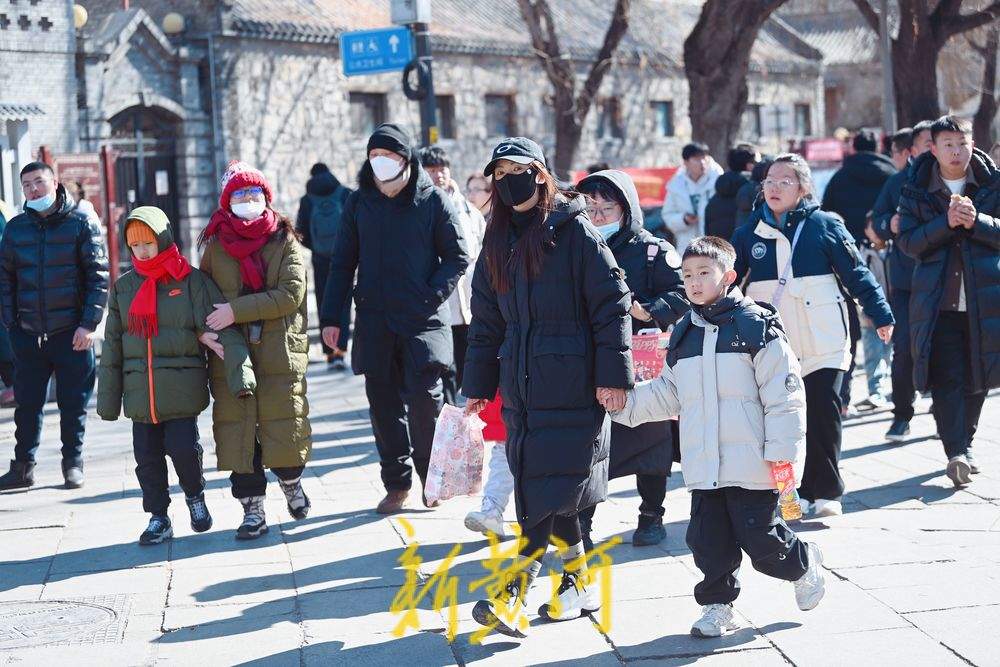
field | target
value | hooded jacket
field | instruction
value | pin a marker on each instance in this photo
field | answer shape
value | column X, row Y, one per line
column 852, row 191
column 722, row 212
column 925, row 236
column 813, row 307
column 652, row 273
column 734, row 381
column 322, row 190
column 548, row 342
column 165, row 377
column 409, row 252
column 53, row 271
column 686, row 196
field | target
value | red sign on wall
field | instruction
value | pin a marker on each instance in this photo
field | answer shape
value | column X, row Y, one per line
column 650, row 182
column 78, row 171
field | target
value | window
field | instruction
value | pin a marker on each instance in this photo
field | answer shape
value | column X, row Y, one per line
column 367, row 112
column 609, row 122
column 752, row 121
column 500, row 116
column 445, row 119
column 663, row 117
column 803, row 120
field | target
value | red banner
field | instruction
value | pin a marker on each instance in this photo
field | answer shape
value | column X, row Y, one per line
column 650, row 182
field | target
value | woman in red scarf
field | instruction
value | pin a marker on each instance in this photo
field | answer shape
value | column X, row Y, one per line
column 254, row 255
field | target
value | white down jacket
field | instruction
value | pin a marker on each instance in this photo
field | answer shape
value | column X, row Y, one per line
column 734, row 381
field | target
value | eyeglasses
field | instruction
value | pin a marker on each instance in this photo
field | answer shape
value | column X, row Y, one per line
column 783, row 184
column 603, row 212
column 254, row 191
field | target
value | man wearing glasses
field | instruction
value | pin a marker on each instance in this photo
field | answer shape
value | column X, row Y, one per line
column 53, row 289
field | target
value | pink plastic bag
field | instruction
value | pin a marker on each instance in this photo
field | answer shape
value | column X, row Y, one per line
column 456, row 465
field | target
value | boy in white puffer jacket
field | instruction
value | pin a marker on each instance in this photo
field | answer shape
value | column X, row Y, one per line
column 734, row 381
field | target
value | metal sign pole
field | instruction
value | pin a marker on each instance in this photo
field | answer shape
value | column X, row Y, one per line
column 429, row 131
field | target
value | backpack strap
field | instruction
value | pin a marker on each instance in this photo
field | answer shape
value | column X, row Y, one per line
column 652, row 252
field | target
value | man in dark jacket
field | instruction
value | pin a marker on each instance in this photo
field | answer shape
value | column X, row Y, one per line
column 907, row 145
column 722, row 214
column 403, row 236
column 53, row 289
column 652, row 273
column 950, row 224
column 318, row 222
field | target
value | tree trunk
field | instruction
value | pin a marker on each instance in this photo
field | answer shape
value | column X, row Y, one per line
column 914, row 73
column 568, row 134
column 982, row 122
column 716, row 62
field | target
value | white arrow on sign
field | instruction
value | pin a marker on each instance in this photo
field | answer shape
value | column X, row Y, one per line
column 394, row 43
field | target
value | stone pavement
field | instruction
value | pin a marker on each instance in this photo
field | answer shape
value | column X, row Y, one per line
column 912, row 567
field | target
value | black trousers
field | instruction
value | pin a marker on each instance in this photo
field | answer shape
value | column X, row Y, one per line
column 151, row 445
column 35, row 360
column 652, row 490
column 536, row 538
column 250, row 484
column 824, row 430
column 724, row 523
column 956, row 408
column 903, row 391
column 854, row 327
column 404, row 406
column 452, row 378
column 321, row 269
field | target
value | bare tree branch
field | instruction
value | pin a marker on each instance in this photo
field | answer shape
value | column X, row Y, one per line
column 538, row 18
column 616, row 31
column 962, row 23
column 868, row 12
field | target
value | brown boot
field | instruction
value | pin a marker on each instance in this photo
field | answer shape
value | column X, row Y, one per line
column 393, row 502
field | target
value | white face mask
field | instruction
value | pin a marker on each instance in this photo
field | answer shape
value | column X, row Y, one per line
column 250, row 210
column 385, row 168
column 608, row 230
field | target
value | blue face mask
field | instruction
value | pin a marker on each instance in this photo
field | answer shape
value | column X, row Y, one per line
column 608, row 230
column 42, row 203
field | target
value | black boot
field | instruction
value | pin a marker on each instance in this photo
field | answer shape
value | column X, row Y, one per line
column 20, row 476
column 649, row 532
column 72, row 474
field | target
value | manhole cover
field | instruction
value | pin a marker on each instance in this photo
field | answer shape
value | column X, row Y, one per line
column 98, row 620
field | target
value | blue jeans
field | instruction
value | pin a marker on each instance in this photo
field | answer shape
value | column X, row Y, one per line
column 878, row 362
column 34, row 362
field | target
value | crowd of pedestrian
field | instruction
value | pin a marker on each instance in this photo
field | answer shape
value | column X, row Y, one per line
column 517, row 296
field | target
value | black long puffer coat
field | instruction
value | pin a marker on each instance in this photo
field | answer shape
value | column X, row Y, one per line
column 548, row 342
column 53, row 271
column 652, row 272
column 924, row 234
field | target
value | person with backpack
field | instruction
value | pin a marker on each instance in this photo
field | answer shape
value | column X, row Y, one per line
column 318, row 222
column 652, row 273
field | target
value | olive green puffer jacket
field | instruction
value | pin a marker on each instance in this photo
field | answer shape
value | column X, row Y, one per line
column 278, row 413
column 165, row 377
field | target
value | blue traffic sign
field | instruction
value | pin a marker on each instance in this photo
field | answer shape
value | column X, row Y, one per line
column 373, row 51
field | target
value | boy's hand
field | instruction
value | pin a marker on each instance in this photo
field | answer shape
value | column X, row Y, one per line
column 894, row 223
column 221, row 317
column 639, row 313
column 475, row 405
column 211, row 341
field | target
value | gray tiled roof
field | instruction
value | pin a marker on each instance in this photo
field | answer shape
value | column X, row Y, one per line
column 19, row 111
column 842, row 37
column 657, row 28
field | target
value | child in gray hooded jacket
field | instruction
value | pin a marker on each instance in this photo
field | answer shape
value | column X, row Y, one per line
column 734, row 381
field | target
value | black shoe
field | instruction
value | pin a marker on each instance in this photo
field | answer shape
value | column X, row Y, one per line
column 72, row 474
column 649, row 532
column 20, row 476
column 898, row 431
column 254, row 524
column 201, row 519
column 159, row 529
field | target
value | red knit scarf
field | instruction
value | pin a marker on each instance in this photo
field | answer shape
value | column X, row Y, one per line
column 142, row 313
column 242, row 240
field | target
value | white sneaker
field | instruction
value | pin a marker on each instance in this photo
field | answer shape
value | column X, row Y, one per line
column 574, row 600
column 504, row 612
column 959, row 471
column 805, row 506
column 827, row 508
column 486, row 523
column 716, row 620
column 811, row 587
column 970, row 459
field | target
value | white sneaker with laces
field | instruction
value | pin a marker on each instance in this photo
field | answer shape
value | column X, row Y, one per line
column 811, row 587
column 827, row 508
column 716, row 620
column 486, row 523
column 574, row 600
column 958, row 471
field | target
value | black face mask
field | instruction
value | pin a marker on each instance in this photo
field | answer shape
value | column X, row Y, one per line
column 515, row 189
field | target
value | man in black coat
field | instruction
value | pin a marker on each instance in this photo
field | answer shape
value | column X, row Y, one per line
column 53, row 290
column 318, row 221
column 950, row 224
column 907, row 145
column 402, row 235
column 652, row 273
column 722, row 213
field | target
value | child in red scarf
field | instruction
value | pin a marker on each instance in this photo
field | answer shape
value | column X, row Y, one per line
column 153, row 361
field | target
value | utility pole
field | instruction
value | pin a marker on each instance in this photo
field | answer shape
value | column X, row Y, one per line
column 416, row 15
column 888, row 93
